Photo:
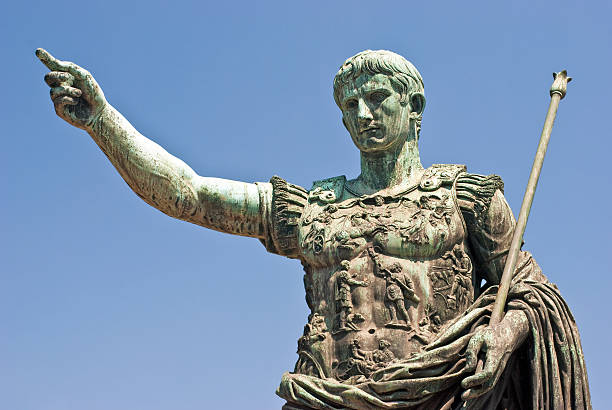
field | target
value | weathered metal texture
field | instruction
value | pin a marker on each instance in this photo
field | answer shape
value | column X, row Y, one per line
column 401, row 263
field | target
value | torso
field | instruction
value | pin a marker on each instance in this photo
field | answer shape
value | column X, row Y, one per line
column 409, row 273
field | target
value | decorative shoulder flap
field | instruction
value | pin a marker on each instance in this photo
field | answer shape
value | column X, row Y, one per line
column 327, row 190
column 440, row 174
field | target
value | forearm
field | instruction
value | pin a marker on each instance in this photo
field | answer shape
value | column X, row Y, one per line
column 516, row 326
column 160, row 179
column 168, row 184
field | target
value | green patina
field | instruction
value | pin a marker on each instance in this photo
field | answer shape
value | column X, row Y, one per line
column 401, row 263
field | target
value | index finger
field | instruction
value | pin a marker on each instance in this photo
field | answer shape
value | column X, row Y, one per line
column 54, row 64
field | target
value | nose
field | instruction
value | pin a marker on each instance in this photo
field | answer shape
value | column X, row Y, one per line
column 364, row 115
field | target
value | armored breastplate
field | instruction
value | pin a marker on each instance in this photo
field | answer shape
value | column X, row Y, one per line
column 384, row 274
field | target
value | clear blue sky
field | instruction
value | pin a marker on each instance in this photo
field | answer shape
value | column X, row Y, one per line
column 106, row 303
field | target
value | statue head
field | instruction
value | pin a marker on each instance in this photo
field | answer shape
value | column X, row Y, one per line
column 381, row 96
column 395, row 267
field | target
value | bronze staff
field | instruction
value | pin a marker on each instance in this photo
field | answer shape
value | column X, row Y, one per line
column 557, row 92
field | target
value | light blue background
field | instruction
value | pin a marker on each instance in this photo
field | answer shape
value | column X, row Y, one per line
column 105, row 303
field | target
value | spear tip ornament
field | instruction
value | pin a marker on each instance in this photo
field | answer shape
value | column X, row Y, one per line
column 559, row 86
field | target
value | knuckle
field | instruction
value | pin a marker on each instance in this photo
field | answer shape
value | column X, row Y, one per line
column 467, row 382
column 63, row 100
column 56, row 92
column 57, row 77
column 65, row 91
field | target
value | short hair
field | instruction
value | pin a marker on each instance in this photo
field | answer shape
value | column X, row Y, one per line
column 395, row 267
column 401, row 72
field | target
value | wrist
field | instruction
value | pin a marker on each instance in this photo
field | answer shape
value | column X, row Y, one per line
column 104, row 111
column 516, row 326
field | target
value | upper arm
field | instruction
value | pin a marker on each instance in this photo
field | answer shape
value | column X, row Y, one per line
column 489, row 221
column 228, row 206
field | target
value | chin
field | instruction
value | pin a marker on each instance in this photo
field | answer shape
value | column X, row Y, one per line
column 373, row 148
column 374, row 144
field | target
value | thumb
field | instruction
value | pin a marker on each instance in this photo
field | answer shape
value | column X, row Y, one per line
column 471, row 353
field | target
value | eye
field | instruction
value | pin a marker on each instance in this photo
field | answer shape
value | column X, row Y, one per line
column 378, row 96
column 351, row 104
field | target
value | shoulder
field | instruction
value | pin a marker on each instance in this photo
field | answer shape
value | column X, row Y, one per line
column 287, row 205
column 481, row 200
column 475, row 191
column 438, row 175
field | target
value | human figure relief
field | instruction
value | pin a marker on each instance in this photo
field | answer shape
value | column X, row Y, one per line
column 458, row 296
column 347, row 320
column 399, row 288
column 362, row 363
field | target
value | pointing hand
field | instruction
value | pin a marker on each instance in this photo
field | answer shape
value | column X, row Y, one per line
column 77, row 97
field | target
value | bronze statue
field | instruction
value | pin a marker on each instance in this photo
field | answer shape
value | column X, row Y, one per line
column 401, row 263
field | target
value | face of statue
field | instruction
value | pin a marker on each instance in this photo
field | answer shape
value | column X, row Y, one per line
column 373, row 114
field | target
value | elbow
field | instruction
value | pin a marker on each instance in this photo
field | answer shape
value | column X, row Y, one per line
column 177, row 202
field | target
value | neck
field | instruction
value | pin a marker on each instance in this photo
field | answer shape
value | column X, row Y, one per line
column 390, row 168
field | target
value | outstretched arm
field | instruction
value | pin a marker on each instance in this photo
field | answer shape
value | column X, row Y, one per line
column 160, row 179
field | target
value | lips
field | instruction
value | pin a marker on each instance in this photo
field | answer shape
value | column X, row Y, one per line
column 368, row 129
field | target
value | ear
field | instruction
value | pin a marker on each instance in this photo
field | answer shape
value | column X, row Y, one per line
column 417, row 103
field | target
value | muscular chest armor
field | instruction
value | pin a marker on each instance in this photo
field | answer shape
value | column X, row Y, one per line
column 384, row 274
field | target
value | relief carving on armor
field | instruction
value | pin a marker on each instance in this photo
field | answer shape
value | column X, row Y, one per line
column 362, row 363
column 399, row 290
column 430, row 211
column 423, row 221
column 317, row 235
column 322, row 195
column 314, row 331
column 347, row 320
column 453, row 282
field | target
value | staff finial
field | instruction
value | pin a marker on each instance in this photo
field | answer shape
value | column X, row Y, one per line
column 559, row 86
